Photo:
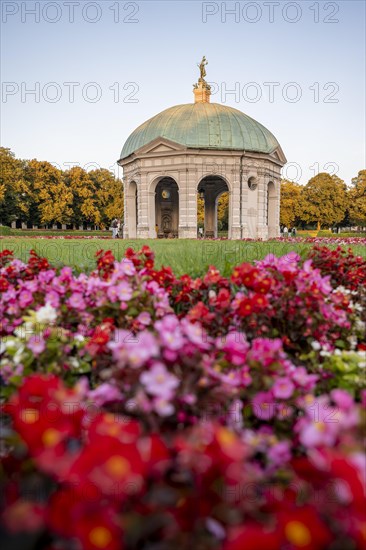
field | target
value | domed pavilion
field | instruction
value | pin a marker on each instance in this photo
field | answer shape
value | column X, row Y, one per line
column 203, row 149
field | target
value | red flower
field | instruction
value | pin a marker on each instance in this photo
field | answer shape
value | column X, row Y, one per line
column 245, row 274
column 76, row 514
column 101, row 336
column 146, row 250
column 115, row 468
column 113, row 425
column 201, row 313
column 6, row 256
column 223, row 298
column 302, row 528
column 252, row 536
column 212, row 276
column 246, row 307
column 47, row 416
column 259, row 302
column 4, row 285
column 105, row 263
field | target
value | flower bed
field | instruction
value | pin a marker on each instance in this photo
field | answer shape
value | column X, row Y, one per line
column 336, row 240
column 146, row 411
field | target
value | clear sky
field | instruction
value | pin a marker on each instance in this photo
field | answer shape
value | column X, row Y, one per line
column 99, row 69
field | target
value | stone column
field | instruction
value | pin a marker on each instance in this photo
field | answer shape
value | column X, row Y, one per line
column 262, row 226
column 151, row 214
column 144, row 221
column 188, row 204
column 234, row 202
column 210, row 200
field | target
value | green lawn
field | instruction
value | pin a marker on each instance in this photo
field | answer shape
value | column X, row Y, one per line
column 184, row 256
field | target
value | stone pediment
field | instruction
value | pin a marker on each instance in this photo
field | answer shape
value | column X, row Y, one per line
column 158, row 146
column 279, row 155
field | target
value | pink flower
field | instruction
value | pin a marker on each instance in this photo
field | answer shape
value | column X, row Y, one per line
column 235, row 346
column 105, row 393
column 280, row 453
column 283, row 388
column 158, row 381
column 112, row 293
column 76, row 301
column 131, row 350
column 25, row 298
column 263, row 406
column 265, row 351
column 36, row 344
column 301, row 377
column 320, row 426
column 170, row 332
column 163, row 407
column 144, row 318
column 124, row 291
column 342, row 398
column 126, row 267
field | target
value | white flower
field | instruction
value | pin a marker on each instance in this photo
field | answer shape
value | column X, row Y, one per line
column 46, row 314
column 73, row 362
column 315, row 345
column 17, row 358
column 8, row 344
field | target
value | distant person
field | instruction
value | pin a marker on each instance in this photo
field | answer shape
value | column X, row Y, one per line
column 200, row 232
column 114, row 226
column 119, row 226
column 285, row 231
column 294, row 232
column 156, row 229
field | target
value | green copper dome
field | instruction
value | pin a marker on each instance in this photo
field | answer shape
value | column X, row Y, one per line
column 203, row 126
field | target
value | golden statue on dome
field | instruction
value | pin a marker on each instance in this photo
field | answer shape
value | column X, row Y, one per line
column 202, row 84
column 202, row 66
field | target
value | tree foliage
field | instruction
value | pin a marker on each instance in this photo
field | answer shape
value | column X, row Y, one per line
column 53, row 196
column 223, row 212
column 290, row 212
column 357, row 199
column 13, row 188
column 36, row 192
column 324, row 200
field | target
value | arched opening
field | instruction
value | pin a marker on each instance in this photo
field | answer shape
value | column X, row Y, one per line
column 132, row 210
column 213, row 200
column 271, row 209
column 252, row 183
column 166, row 208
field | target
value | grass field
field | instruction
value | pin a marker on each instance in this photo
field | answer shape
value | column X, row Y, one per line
column 184, row 256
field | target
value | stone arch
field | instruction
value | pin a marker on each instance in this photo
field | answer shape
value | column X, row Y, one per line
column 164, row 207
column 211, row 187
column 132, row 210
column 272, row 209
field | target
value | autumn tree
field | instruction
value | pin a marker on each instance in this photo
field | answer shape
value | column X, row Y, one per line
column 223, row 211
column 109, row 195
column 324, row 200
column 84, row 196
column 14, row 203
column 53, row 197
column 200, row 211
column 290, row 207
column 357, row 199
